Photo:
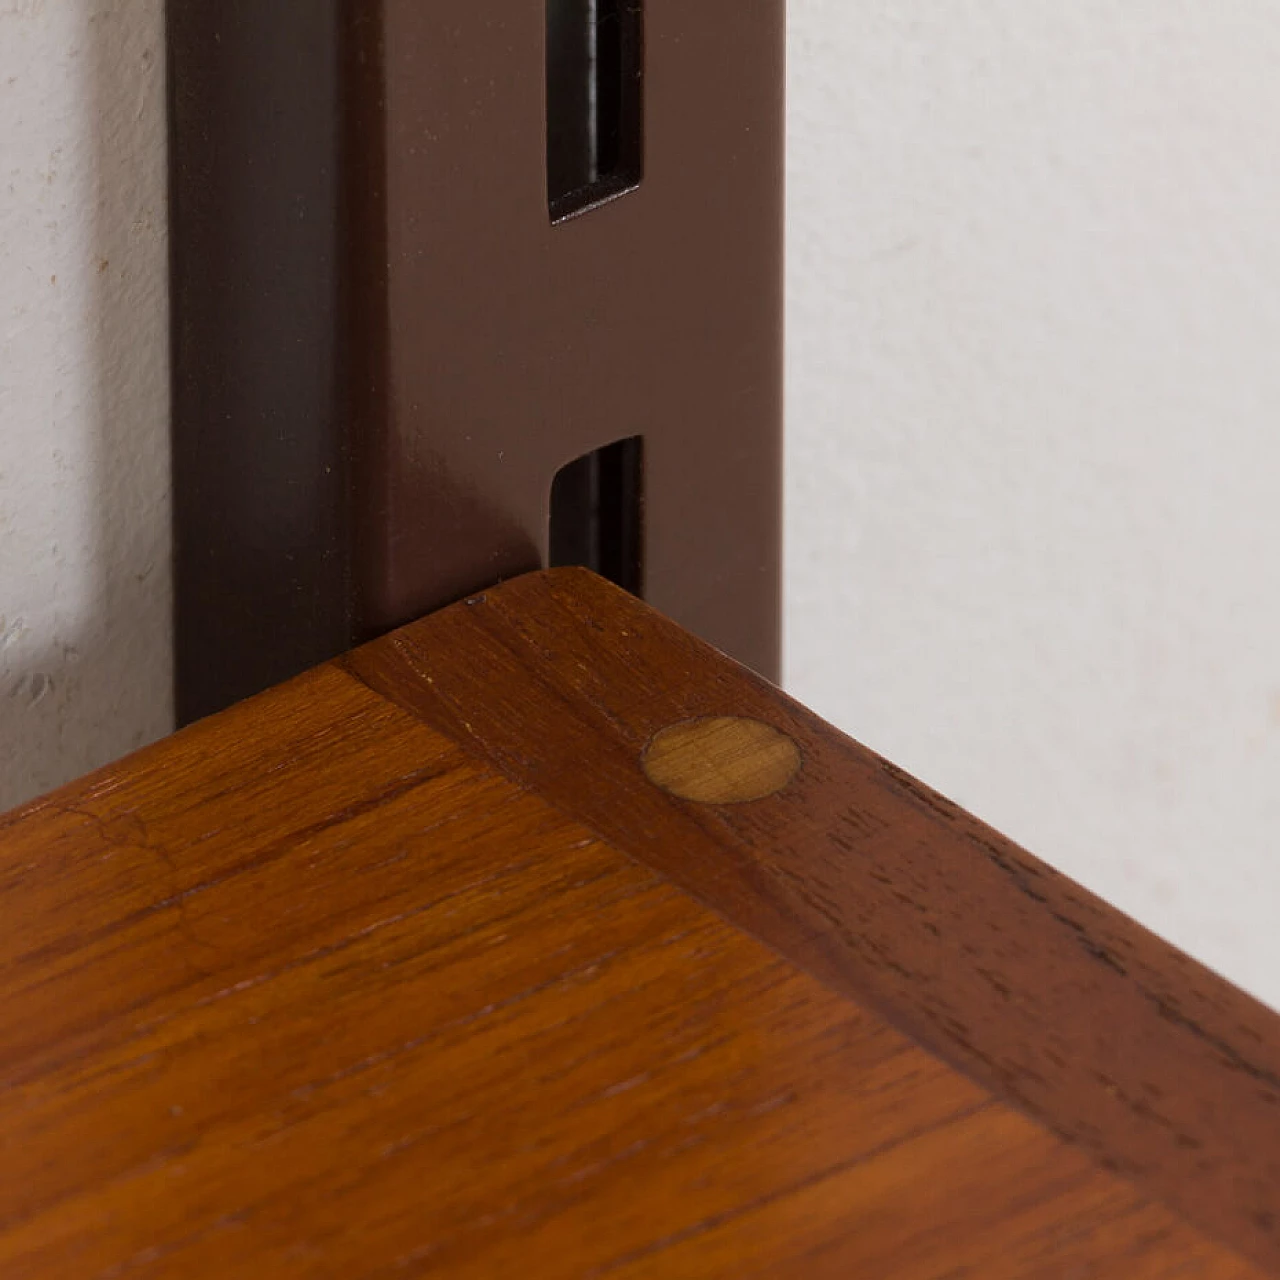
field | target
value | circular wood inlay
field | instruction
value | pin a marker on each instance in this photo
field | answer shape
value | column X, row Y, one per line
column 722, row 760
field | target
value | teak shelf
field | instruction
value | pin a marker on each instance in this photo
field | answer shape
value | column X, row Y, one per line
column 425, row 963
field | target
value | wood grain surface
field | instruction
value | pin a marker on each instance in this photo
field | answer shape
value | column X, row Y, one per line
column 874, row 882
column 382, row 974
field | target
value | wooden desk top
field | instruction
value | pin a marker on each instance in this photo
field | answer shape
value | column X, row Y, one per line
column 540, row 939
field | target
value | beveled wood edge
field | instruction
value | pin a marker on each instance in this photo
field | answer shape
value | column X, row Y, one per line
column 874, row 883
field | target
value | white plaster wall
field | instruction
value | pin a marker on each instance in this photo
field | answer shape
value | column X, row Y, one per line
column 1034, row 454
column 1034, row 420
column 84, row 524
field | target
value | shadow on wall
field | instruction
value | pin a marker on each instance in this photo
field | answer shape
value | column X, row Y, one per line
column 85, row 595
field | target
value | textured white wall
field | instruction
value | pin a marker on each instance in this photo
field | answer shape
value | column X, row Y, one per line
column 1035, row 304
column 1034, row 455
column 84, row 533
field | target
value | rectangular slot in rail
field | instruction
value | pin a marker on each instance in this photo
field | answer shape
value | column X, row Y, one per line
column 597, row 514
column 595, row 104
